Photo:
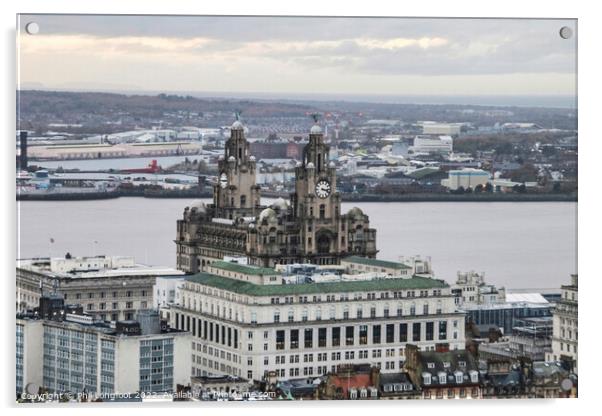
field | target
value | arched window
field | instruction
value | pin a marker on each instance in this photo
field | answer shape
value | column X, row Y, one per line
column 243, row 201
column 322, row 211
column 323, row 244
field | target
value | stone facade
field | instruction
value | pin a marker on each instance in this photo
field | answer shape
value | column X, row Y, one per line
column 309, row 228
column 566, row 333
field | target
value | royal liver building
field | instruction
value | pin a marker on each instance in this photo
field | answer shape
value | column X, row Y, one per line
column 310, row 228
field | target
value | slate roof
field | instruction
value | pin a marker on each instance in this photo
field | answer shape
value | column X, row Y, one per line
column 449, row 363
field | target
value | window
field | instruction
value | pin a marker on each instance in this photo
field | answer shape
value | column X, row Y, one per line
column 336, row 336
column 277, row 316
column 403, row 332
column 321, row 337
column 363, row 334
column 390, row 333
column 308, row 338
column 442, row 378
column 322, row 211
column 376, row 334
column 280, row 340
column 416, row 331
column 294, row 338
column 430, row 331
column 442, row 330
column 349, row 335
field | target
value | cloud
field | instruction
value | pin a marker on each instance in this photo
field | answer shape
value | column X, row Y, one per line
column 259, row 50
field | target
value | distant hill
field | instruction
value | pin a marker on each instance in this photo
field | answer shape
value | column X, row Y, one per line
column 50, row 106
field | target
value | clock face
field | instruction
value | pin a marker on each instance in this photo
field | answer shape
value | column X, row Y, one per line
column 223, row 180
column 323, row 189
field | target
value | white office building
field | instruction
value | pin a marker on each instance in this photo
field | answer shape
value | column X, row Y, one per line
column 110, row 288
column 244, row 327
column 82, row 355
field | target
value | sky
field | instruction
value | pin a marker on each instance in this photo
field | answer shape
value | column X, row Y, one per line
column 298, row 55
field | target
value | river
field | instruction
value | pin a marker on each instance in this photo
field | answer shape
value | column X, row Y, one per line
column 517, row 245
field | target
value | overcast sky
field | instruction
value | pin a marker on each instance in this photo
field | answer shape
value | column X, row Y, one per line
column 299, row 55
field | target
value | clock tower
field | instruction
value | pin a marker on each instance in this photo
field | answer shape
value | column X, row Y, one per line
column 316, row 202
column 236, row 193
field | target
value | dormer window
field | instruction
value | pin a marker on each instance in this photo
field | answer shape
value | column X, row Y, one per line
column 459, row 377
column 474, row 377
column 442, row 378
column 430, row 365
column 426, row 378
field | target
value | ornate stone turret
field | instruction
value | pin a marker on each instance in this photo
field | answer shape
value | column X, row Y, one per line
column 236, row 193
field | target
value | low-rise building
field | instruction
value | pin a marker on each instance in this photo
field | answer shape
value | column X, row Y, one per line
column 351, row 382
column 444, row 374
column 111, row 288
column 470, row 289
column 432, row 144
column 504, row 313
column 530, row 338
column 465, row 178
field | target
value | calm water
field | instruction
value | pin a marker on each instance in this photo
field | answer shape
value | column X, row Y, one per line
column 519, row 245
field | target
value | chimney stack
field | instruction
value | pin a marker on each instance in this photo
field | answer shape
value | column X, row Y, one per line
column 23, row 157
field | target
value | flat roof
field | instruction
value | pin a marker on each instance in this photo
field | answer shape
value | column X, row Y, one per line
column 247, row 288
column 375, row 262
column 243, row 268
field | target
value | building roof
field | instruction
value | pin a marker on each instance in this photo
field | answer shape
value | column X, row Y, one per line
column 243, row 268
column 525, row 297
column 247, row 288
column 376, row 263
column 447, row 363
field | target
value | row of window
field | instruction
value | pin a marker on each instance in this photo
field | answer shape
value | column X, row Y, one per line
column 359, row 312
column 352, row 335
column 206, row 330
column 102, row 295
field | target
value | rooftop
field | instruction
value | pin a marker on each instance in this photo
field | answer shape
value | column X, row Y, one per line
column 243, row 268
column 376, row 263
column 247, row 288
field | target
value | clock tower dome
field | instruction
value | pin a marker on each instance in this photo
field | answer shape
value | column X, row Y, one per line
column 316, row 201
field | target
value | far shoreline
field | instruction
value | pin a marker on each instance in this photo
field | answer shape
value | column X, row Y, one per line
column 382, row 198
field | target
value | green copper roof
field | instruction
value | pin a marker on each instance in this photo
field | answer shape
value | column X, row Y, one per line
column 243, row 268
column 251, row 289
column 376, row 263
